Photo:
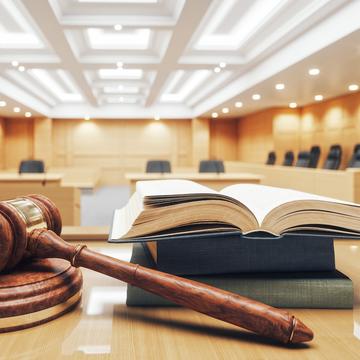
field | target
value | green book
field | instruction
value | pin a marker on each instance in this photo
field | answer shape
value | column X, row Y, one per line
column 330, row 289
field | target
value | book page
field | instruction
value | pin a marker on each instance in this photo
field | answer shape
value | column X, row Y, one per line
column 261, row 199
column 171, row 187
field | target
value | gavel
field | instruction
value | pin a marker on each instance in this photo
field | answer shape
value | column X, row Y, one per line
column 30, row 226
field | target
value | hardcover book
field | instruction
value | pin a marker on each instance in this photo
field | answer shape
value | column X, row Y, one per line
column 289, row 290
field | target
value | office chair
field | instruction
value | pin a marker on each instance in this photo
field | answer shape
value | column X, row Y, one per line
column 31, row 166
column 333, row 159
column 158, row 166
column 354, row 161
column 314, row 156
column 208, row 166
column 271, row 159
column 303, row 159
column 288, row 158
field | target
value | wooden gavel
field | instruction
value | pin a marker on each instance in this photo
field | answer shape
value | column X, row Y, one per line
column 30, row 227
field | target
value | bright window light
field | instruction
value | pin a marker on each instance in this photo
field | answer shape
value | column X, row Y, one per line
column 259, row 13
column 55, row 88
column 138, row 39
column 120, row 73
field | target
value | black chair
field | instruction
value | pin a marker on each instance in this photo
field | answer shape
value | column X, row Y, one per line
column 354, row 161
column 288, row 158
column 158, row 166
column 333, row 159
column 271, row 159
column 210, row 166
column 314, row 156
column 31, row 166
column 303, row 159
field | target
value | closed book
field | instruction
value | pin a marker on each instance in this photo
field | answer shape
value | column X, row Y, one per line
column 223, row 253
column 288, row 290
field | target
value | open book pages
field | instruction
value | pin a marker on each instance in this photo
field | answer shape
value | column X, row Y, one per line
column 162, row 208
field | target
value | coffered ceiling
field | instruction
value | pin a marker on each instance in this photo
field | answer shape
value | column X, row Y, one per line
column 167, row 58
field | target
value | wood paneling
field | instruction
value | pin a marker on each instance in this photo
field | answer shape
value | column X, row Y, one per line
column 223, row 139
column 18, row 141
column 200, row 140
column 2, row 143
column 120, row 146
column 43, row 140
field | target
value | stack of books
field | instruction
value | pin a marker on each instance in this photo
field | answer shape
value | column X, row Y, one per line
column 269, row 244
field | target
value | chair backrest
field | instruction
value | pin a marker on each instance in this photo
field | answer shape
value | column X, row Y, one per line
column 303, row 159
column 158, row 166
column 31, row 166
column 314, row 156
column 271, row 159
column 216, row 166
column 288, row 158
column 333, row 159
column 353, row 162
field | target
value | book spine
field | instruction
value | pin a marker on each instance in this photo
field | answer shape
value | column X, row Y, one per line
column 233, row 254
column 288, row 293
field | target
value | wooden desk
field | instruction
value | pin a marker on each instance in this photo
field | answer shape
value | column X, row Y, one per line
column 212, row 180
column 341, row 184
column 104, row 328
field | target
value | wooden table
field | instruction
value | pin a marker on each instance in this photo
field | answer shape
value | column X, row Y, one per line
column 212, row 180
column 104, row 328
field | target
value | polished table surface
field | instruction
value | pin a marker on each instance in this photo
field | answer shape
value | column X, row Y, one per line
column 102, row 327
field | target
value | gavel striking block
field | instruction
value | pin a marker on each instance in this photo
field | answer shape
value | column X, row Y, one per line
column 31, row 227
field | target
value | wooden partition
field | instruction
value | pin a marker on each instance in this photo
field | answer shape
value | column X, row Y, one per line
column 341, row 184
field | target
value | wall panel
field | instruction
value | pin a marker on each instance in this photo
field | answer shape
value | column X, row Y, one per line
column 223, row 139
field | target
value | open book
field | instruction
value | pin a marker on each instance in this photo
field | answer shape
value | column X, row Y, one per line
column 163, row 208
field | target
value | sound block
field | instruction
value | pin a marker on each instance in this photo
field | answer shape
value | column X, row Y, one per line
column 38, row 291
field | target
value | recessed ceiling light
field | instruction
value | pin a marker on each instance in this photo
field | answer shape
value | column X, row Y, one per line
column 256, row 97
column 16, row 109
column 214, row 115
column 120, row 64
column 293, row 105
column 14, row 63
column 353, row 87
column 28, row 114
column 238, row 104
column 217, row 69
column 87, row 118
column 121, row 98
column 118, row 27
column 21, row 68
column 318, row 97
column 225, row 110
column 157, row 117
column 280, row 86
column 222, row 64
column 314, row 71
column 2, row 103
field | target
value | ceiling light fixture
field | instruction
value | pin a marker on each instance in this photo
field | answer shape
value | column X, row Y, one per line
column 214, row 115
column 217, row 69
column 118, row 27
column 2, row 103
column 222, row 64
column 256, row 97
column 318, row 97
column 157, row 117
column 280, row 86
column 238, row 104
column 314, row 71
column 28, row 114
column 87, row 118
column 21, row 68
column 119, row 64
column 225, row 110
column 293, row 105
column 353, row 87
column 16, row 109
column 15, row 63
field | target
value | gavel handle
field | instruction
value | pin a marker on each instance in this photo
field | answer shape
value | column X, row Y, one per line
column 220, row 304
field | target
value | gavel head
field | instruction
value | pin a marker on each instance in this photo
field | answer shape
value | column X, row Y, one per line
column 18, row 217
